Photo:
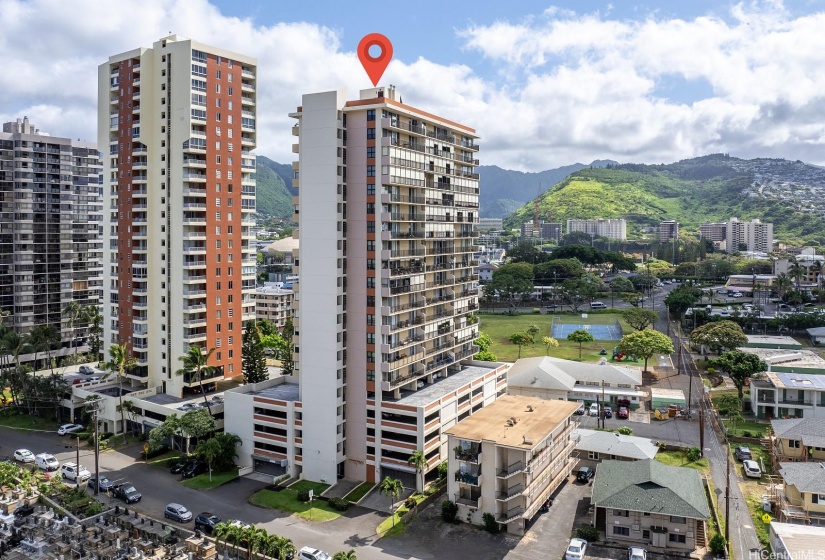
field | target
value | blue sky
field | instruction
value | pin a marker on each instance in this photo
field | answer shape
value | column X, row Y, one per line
column 545, row 84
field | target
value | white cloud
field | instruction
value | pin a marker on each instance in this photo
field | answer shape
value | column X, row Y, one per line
column 566, row 87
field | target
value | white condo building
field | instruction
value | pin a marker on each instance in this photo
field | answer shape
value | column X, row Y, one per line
column 176, row 123
column 600, row 227
column 384, row 309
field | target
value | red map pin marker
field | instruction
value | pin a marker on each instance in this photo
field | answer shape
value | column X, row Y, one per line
column 375, row 66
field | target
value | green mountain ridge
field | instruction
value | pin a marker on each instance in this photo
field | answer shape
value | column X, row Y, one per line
column 695, row 191
column 274, row 188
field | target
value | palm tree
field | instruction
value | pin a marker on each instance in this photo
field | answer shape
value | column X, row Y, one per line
column 74, row 313
column 391, row 487
column 782, row 284
column 119, row 361
column 92, row 316
column 229, row 443
column 280, row 547
column 196, row 366
column 222, row 532
column 252, row 537
column 418, row 461
column 209, row 449
column 14, row 345
column 342, row 555
column 258, row 542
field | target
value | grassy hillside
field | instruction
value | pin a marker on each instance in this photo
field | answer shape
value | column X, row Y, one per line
column 273, row 198
column 692, row 192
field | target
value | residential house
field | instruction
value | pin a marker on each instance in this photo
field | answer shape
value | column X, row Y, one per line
column 594, row 446
column 650, row 504
column 789, row 395
column 485, row 271
column 804, row 493
column 554, row 378
column 789, row 540
column 509, row 458
column 798, row 439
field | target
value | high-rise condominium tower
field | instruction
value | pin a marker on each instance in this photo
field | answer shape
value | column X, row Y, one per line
column 50, row 219
column 387, row 203
column 176, row 123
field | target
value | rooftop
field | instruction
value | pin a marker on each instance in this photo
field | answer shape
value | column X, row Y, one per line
column 801, row 541
column 810, row 431
column 443, row 386
column 534, row 419
column 652, row 487
column 282, row 392
column 806, row 476
column 544, row 372
column 768, row 339
column 659, row 392
column 609, row 443
column 787, row 357
column 797, row 380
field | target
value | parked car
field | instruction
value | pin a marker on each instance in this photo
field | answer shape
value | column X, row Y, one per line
column 178, row 513
column 751, row 469
column 206, row 522
column 194, row 469
column 77, row 473
column 622, row 413
column 737, row 295
column 66, row 429
column 309, row 553
column 179, row 467
column 46, row 462
column 597, row 305
column 580, row 411
column 576, row 549
column 105, row 483
column 584, row 474
column 127, row 493
column 87, row 370
column 594, row 410
column 636, row 553
column 24, row 456
column 743, row 453
column 608, row 412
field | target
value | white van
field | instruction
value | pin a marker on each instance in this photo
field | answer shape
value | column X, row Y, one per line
column 597, row 305
column 46, row 462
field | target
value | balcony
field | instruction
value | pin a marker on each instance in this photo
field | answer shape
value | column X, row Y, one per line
column 470, row 499
column 510, row 492
column 512, row 469
column 795, row 402
column 469, row 474
column 468, row 452
column 510, row 515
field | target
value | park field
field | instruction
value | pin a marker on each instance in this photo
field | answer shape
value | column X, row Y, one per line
column 500, row 327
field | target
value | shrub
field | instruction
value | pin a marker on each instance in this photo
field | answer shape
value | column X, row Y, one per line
column 490, row 523
column 626, row 430
column 448, row 511
column 747, row 433
column 410, row 503
column 339, row 503
column 93, row 509
column 693, row 454
column 303, row 495
column 588, row 533
column 443, row 469
column 718, row 545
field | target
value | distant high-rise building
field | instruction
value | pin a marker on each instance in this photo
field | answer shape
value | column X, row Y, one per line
column 551, row 231
column 715, row 232
column 600, row 227
column 177, row 125
column 50, row 230
column 668, row 231
column 527, row 230
column 753, row 236
column 489, row 224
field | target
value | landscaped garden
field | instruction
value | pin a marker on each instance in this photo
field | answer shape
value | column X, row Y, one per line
column 295, row 499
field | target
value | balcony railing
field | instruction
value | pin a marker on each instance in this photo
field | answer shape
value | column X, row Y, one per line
column 510, row 492
column 510, row 515
column 511, row 469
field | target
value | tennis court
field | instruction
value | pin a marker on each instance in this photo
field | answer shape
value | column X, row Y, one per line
column 599, row 332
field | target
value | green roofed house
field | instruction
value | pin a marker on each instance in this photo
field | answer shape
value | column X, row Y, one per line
column 652, row 504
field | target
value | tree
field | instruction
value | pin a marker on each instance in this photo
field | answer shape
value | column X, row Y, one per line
column 719, row 335
column 558, row 269
column 419, row 462
column 645, row 344
column 520, row 339
column 549, row 342
column 740, row 367
column 348, row 555
column 166, row 430
column 92, row 316
column 196, row 424
column 512, row 281
column 266, row 327
column 120, row 360
column 280, row 547
column 391, row 487
column 681, row 299
column 196, row 368
column 229, row 443
column 580, row 336
column 74, row 313
column 253, row 359
column 484, row 354
column 640, row 319
column 577, row 291
column 208, row 450
column 287, row 348
column 533, row 330
column 526, row 253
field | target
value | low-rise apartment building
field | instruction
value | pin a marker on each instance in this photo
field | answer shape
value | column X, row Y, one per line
column 268, row 417
column 789, row 540
column 803, row 493
column 507, row 459
column 595, row 446
column 650, row 504
column 798, row 439
column 273, row 302
column 789, row 395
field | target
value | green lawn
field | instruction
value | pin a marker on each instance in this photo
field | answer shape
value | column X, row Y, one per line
column 500, row 327
column 393, row 526
column 163, row 460
column 287, row 500
column 754, row 428
column 679, row 459
column 359, row 492
column 25, row 422
column 202, row 482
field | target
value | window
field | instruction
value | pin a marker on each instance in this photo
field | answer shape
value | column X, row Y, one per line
column 217, row 216
column 593, row 455
column 370, row 357
column 371, row 190
column 794, row 443
column 677, row 519
column 218, row 157
column 218, row 74
column 621, row 531
column 370, row 227
column 676, row 538
column 370, row 152
column 230, row 340
column 217, row 88
column 370, row 114
column 370, row 134
column 370, row 171
column 620, row 513
column 198, row 85
column 370, row 338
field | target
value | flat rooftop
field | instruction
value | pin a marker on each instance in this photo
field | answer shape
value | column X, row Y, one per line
column 666, row 393
column 801, row 541
column 787, row 357
column 797, row 380
column 534, row 419
column 442, row 386
column 282, row 392
column 778, row 340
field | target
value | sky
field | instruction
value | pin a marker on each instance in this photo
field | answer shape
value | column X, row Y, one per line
column 544, row 84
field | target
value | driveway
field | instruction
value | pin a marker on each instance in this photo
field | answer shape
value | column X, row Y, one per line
column 547, row 536
column 677, row 432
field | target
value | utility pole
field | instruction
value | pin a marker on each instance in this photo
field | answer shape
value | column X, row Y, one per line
column 702, row 422
column 603, row 415
column 93, row 408
column 727, row 496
